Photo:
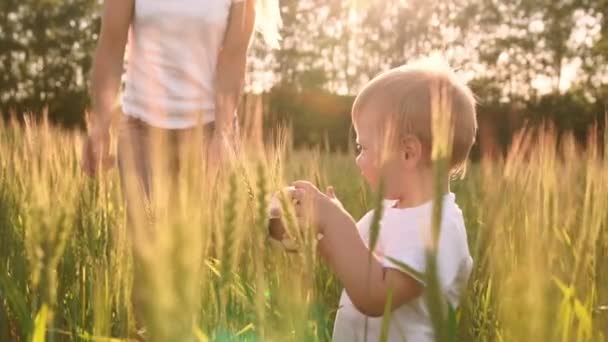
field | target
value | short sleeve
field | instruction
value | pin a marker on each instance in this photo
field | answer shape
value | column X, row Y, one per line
column 450, row 254
column 405, row 254
column 399, row 247
column 364, row 222
column 454, row 259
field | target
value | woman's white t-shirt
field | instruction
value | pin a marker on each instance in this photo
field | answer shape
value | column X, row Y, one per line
column 171, row 61
column 404, row 235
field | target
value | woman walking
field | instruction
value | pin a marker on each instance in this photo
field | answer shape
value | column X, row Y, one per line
column 186, row 62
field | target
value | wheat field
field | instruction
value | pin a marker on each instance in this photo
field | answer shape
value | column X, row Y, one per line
column 537, row 226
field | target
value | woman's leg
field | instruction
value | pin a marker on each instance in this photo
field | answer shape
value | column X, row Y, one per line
column 152, row 164
column 134, row 164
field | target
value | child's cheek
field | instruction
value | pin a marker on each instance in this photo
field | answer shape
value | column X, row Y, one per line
column 371, row 170
column 359, row 162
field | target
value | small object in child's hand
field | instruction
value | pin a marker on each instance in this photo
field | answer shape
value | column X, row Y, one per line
column 275, row 210
column 276, row 229
column 279, row 235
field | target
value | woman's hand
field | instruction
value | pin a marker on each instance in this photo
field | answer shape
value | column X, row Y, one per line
column 216, row 151
column 96, row 155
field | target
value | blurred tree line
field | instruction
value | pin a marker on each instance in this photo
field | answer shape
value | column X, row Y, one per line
column 46, row 49
column 527, row 60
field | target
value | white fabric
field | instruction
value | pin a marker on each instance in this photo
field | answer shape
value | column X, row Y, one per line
column 404, row 235
column 172, row 56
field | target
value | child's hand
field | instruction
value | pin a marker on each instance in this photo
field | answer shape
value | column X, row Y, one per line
column 315, row 207
column 330, row 192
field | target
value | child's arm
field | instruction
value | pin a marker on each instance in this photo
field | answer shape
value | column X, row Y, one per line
column 366, row 281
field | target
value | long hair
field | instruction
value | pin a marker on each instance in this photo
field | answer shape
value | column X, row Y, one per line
column 268, row 21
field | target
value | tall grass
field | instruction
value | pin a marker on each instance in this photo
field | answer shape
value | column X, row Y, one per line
column 204, row 269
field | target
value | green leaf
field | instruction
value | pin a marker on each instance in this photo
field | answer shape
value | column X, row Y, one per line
column 374, row 230
column 247, row 328
column 40, row 324
column 386, row 317
column 409, row 270
column 452, row 324
column 200, row 335
column 15, row 300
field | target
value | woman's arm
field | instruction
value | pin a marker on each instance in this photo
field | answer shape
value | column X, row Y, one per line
column 108, row 60
column 105, row 82
column 231, row 65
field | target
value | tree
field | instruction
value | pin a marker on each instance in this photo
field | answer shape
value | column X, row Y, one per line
column 46, row 56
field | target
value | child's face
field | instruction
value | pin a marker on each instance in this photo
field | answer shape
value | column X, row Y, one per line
column 377, row 158
column 368, row 156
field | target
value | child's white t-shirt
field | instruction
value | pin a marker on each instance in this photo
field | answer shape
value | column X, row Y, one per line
column 404, row 235
column 171, row 61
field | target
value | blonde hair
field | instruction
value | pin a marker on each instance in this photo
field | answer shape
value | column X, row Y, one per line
column 414, row 98
column 268, row 21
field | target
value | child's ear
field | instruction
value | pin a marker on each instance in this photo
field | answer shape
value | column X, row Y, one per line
column 411, row 148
